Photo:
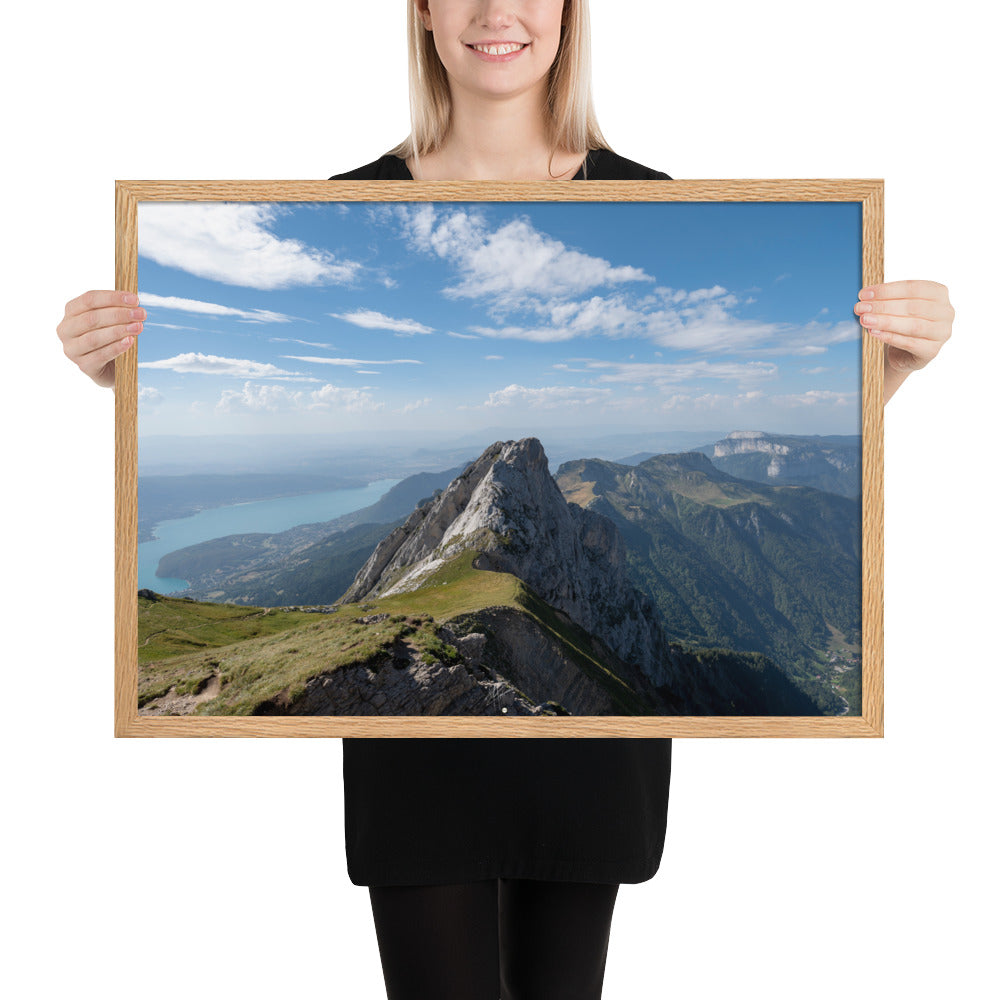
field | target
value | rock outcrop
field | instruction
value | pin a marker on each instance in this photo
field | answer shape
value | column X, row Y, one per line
column 748, row 442
column 830, row 463
column 507, row 507
column 514, row 673
column 406, row 684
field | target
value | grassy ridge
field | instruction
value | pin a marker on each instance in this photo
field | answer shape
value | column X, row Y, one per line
column 170, row 626
column 260, row 654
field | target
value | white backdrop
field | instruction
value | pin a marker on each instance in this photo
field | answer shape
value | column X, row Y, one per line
column 815, row 868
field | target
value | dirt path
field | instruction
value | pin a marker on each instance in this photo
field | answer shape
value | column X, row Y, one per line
column 182, row 704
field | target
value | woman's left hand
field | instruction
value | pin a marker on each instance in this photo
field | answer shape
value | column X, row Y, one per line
column 912, row 318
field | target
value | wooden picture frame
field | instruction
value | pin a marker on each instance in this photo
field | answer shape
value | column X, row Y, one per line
column 865, row 195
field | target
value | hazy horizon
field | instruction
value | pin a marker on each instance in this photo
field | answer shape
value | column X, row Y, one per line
column 179, row 454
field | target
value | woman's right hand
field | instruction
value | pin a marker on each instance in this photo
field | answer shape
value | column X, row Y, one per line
column 97, row 327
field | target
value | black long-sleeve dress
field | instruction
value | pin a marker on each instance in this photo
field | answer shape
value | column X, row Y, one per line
column 442, row 810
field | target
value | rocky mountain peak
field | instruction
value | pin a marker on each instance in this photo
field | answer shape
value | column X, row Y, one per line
column 507, row 508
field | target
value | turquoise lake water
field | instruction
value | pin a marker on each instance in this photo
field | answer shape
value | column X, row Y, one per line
column 259, row 515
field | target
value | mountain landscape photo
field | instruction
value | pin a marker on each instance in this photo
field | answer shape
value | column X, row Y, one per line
column 568, row 528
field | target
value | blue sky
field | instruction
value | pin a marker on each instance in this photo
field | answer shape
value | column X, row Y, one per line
column 446, row 318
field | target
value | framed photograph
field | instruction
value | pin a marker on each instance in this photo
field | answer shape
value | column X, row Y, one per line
column 467, row 459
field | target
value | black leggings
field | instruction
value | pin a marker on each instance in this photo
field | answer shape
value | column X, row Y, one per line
column 513, row 939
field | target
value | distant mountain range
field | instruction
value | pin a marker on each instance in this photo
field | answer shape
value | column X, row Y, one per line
column 733, row 563
column 831, row 463
column 607, row 589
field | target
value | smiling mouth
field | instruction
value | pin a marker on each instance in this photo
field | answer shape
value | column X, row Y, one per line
column 503, row 49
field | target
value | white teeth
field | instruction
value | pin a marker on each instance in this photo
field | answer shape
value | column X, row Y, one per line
column 499, row 50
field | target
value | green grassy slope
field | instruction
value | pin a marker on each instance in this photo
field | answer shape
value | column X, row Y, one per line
column 260, row 654
column 744, row 566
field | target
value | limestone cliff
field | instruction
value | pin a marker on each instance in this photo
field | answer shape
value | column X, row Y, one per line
column 831, row 463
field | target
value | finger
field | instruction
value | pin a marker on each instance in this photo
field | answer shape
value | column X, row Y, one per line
column 92, row 363
column 923, row 350
column 923, row 308
column 905, row 290
column 111, row 335
column 99, row 300
column 96, row 320
column 907, row 326
column 96, row 340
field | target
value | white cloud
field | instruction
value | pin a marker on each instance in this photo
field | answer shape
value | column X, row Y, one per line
column 295, row 340
column 535, row 288
column 726, row 403
column 148, row 396
column 548, row 397
column 332, row 397
column 702, row 294
column 493, row 357
column 629, row 403
column 712, row 327
column 812, row 338
column 538, row 335
column 257, row 398
column 148, row 299
column 415, row 405
column 709, row 328
column 210, row 364
column 609, row 316
column 371, row 320
column 233, row 243
column 663, row 374
column 716, row 402
column 462, row 336
column 514, row 261
column 350, row 362
column 702, row 320
column 841, row 333
column 818, row 397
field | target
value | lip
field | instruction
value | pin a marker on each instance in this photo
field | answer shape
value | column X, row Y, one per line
column 506, row 57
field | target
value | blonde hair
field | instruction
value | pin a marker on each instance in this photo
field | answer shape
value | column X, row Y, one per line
column 572, row 124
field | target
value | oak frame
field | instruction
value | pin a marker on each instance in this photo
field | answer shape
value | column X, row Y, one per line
column 127, row 722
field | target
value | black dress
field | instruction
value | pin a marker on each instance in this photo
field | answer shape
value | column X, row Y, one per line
column 442, row 810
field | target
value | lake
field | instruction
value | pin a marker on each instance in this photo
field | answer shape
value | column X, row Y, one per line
column 259, row 515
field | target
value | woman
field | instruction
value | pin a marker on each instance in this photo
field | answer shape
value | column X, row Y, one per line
column 502, row 878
